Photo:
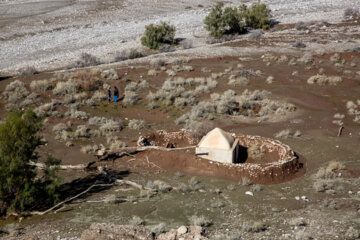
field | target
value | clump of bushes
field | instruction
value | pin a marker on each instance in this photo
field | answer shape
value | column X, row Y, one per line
column 158, row 35
column 224, row 21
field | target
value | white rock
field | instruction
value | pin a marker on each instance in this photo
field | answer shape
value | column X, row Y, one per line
column 297, row 198
column 182, row 230
column 249, row 193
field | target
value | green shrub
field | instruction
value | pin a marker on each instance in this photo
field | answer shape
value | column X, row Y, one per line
column 20, row 187
column 223, row 21
column 157, row 35
column 256, row 16
column 226, row 21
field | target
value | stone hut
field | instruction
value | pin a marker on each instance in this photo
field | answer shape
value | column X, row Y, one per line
column 219, row 146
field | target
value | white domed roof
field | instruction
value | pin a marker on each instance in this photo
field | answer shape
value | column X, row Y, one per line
column 218, row 139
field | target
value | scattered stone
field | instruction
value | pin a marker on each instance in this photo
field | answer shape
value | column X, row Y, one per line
column 182, row 230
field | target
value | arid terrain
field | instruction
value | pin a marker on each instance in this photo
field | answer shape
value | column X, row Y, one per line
column 297, row 83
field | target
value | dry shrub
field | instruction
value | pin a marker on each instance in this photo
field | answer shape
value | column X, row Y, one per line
column 72, row 113
column 99, row 96
column 127, row 54
column 60, row 127
column 199, row 129
column 323, row 185
column 110, row 74
column 238, row 81
column 351, row 13
column 66, row 88
column 87, row 60
column 116, row 145
column 41, row 85
column 324, row 80
column 130, row 98
column 255, row 227
column 136, row 221
column 328, row 172
column 89, row 149
column 15, row 92
column 46, row 110
column 256, row 152
column 87, row 80
column 270, row 80
column 136, row 124
column 110, row 126
column 82, row 131
column 158, row 62
column 29, row 70
column 201, row 221
column 158, row 186
column 287, row 133
column 297, row 222
column 307, row 59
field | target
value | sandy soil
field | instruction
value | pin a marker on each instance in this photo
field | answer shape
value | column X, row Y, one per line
column 53, row 34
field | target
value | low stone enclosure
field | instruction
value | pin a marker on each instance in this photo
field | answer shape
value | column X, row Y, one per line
column 276, row 162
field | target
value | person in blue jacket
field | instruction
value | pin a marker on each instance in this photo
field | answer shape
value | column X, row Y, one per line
column 116, row 94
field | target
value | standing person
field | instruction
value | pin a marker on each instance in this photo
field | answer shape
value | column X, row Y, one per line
column 116, row 94
column 109, row 94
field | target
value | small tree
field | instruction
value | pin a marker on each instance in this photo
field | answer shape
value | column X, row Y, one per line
column 223, row 21
column 19, row 187
column 157, row 35
column 257, row 16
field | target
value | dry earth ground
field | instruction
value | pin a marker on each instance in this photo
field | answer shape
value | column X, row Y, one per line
column 319, row 205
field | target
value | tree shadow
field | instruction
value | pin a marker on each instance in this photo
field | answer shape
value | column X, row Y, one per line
column 273, row 23
column 81, row 184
